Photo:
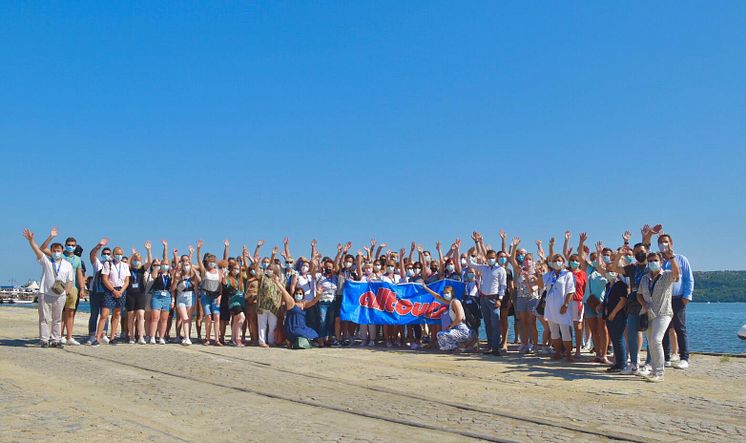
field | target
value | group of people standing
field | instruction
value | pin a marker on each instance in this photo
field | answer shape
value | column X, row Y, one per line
column 608, row 295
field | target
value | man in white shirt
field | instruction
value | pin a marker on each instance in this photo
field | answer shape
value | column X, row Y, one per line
column 52, row 295
column 491, row 291
column 115, row 275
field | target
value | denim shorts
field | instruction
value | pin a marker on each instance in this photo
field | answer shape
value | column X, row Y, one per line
column 209, row 305
column 112, row 303
column 590, row 312
column 160, row 301
column 184, row 299
column 526, row 304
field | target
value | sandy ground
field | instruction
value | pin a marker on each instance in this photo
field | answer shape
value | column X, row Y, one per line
column 197, row 393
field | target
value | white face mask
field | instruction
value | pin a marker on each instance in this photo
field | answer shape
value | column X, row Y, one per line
column 376, row 268
column 348, row 265
column 187, row 268
column 447, row 296
column 390, row 269
column 298, row 297
column 304, row 268
column 463, row 262
column 558, row 265
column 663, row 247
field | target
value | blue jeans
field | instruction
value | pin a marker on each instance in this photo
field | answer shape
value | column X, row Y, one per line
column 491, row 322
column 325, row 314
column 96, row 302
column 616, row 331
column 678, row 323
column 633, row 324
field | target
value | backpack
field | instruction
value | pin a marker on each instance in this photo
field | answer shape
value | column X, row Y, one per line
column 471, row 312
column 98, row 284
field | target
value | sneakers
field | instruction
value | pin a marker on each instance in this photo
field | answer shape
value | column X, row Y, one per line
column 161, row 341
column 629, row 370
column 56, row 344
column 681, row 364
column 90, row 341
column 73, row 342
column 644, row 371
column 371, row 343
column 63, row 340
column 114, row 342
column 105, row 339
column 44, row 344
column 414, row 346
column 668, row 363
column 152, row 340
column 186, row 342
column 654, row 378
column 675, row 358
column 141, row 341
column 95, row 343
column 132, row 341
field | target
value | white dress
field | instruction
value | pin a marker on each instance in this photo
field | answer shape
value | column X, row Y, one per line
column 558, row 286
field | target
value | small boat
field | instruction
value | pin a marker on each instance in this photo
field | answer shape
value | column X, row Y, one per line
column 742, row 332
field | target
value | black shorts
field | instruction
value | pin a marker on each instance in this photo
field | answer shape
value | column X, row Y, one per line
column 135, row 301
column 225, row 312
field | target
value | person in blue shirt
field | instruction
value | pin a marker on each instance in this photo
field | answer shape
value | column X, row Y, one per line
column 681, row 296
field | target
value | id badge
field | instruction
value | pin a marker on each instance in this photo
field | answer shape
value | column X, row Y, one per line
column 135, row 285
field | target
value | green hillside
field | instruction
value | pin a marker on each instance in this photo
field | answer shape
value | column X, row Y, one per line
column 720, row 286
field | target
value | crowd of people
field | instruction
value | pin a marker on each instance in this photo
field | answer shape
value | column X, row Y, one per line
column 589, row 298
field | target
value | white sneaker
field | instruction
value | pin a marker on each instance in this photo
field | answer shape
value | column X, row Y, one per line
column 161, row 341
column 105, row 339
column 654, row 378
column 152, row 340
column 90, row 341
column 644, row 371
column 675, row 358
column 63, row 340
column 668, row 364
column 73, row 342
column 141, row 341
column 681, row 364
column 629, row 370
column 132, row 341
column 186, row 342
column 371, row 343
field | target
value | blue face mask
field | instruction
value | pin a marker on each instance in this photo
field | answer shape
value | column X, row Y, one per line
column 654, row 266
column 491, row 261
column 164, row 268
column 118, row 257
column 628, row 259
column 607, row 259
column 574, row 264
column 136, row 263
column 105, row 257
column 69, row 249
column 56, row 255
column 470, row 275
column 502, row 260
column 520, row 258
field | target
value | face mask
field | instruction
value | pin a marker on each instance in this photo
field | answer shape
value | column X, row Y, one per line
column 164, row 268
column 654, row 266
column 264, row 265
column 502, row 260
column 427, row 257
column 390, row 269
column 298, row 296
column 410, row 273
column 574, row 264
column 447, row 296
column 612, row 275
column 252, row 272
column 628, row 259
column 118, row 257
column 470, row 275
column 304, row 268
column 187, row 268
column 368, row 271
column 641, row 257
column 527, row 264
column 663, row 247
column 558, row 265
column 472, row 259
column 607, row 259
column 434, row 270
column 236, row 271
column 463, row 262
column 69, row 249
column 105, row 257
column 136, row 263
column 592, row 264
column 417, row 271
column 270, row 273
column 520, row 258
column 212, row 265
column 328, row 271
column 491, row 261
column 56, row 255
column 348, row 265
column 376, row 268
column 288, row 266
column 450, row 268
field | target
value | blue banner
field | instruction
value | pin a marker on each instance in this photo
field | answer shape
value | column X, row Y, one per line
column 381, row 303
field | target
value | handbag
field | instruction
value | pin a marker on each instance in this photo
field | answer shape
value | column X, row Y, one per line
column 593, row 302
column 644, row 322
column 542, row 303
column 59, row 286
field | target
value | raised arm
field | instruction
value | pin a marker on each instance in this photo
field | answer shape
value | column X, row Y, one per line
column 434, row 294
column 513, row 251
column 286, row 248
column 28, row 235
column 503, row 240
column 94, row 252
column 45, row 246
column 259, row 245
column 581, row 251
column 551, row 247
column 286, row 297
column 456, row 255
column 165, row 249
column 540, row 251
column 148, row 254
column 200, row 265
column 566, row 245
column 226, row 244
column 440, row 254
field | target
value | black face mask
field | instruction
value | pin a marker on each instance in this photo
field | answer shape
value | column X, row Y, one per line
column 640, row 257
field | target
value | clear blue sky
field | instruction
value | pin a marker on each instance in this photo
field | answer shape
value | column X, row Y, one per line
column 343, row 120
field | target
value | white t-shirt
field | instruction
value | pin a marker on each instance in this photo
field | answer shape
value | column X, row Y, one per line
column 97, row 266
column 306, row 283
column 328, row 287
column 63, row 270
column 117, row 272
column 394, row 281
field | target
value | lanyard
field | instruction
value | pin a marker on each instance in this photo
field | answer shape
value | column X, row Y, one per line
column 118, row 268
column 56, row 271
column 134, row 275
column 652, row 283
column 164, row 279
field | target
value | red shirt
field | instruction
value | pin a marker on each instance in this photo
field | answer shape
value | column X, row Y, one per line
column 580, row 279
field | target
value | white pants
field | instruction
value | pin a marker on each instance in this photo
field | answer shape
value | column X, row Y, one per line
column 657, row 328
column 368, row 332
column 267, row 324
column 50, row 316
column 558, row 331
